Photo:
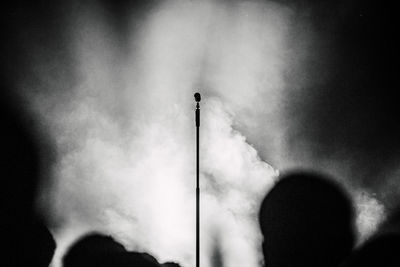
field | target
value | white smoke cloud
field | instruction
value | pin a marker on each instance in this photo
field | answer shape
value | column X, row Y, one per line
column 125, row 132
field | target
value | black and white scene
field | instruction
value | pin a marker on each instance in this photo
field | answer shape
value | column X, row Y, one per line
column 199, row 133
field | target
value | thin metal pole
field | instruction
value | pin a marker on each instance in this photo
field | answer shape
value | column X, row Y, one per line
column 197, row 97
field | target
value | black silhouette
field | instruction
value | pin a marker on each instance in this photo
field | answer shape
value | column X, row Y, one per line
column 380, row 251
column 25, row 239
column 306, row 220
column 96, row 250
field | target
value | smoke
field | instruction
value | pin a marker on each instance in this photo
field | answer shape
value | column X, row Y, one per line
column 370, row 213
column 125, row 132
column 118, row 102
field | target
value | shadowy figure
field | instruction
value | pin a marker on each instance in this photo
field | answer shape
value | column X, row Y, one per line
column 25, row 239
column 306, row 220
column 96, row 250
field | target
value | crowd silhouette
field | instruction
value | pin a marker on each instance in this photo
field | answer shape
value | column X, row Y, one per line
column 102, row 251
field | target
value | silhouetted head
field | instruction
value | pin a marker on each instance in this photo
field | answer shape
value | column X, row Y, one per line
column 98, row 250
column 170, row 264
column 94, row 250
column 306, row 220
column 37, row 245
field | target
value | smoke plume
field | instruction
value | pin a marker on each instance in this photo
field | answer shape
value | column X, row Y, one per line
column 125, row 135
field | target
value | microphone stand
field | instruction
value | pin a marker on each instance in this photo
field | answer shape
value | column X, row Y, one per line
column 197, row 98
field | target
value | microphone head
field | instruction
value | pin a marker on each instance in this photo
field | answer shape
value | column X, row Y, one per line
column 197, row 97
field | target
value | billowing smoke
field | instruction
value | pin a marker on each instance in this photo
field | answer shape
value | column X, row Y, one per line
column 118, row 102
column 125, row 132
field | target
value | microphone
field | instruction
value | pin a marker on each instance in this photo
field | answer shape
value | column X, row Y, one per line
column 197, row 97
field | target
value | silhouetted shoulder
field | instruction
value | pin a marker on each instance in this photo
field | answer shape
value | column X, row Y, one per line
column 382, row 251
